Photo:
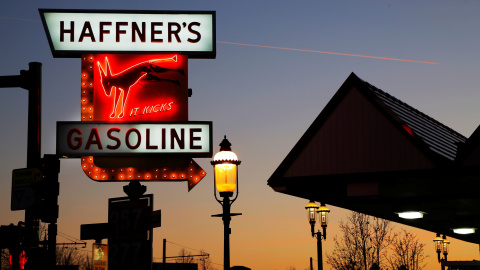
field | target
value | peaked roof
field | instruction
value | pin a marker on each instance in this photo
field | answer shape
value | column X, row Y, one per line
column 350, row 132
column 434, row 139
column 439, row 138
column 469, row 152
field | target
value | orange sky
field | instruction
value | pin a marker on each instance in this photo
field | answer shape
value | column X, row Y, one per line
column 263, row 98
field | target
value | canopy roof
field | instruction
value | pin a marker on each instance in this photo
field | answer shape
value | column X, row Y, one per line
column 370, row 152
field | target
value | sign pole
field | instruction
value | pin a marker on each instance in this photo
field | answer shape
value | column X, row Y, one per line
column 34, row 87
column 30, row 80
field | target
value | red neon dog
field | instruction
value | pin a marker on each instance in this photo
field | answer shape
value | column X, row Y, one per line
column 124, row 80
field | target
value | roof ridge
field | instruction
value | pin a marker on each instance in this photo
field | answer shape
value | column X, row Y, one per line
column 414, row 110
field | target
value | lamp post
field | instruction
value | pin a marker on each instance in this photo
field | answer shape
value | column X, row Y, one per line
column 441, row 245
column 445, row 245
column 313, row 210
column 225, row 165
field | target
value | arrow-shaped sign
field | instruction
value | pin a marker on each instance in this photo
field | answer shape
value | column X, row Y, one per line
column 192, row 173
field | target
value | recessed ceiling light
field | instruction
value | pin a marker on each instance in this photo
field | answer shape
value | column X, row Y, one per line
column 410, row 214
column 464, row 230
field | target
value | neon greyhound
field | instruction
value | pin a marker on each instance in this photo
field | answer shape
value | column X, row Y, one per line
column 127, row 78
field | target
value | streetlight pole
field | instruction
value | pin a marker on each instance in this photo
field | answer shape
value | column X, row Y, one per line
column 319, row 236
column 226, row 231
column 322, row 211
column 225, row 165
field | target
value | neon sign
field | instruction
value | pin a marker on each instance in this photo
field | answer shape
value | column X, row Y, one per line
column 134, row 93
column 140, row 88
column 121, row 83
column 147, row 99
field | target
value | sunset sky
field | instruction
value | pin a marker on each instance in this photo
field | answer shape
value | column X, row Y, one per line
column 278, row 63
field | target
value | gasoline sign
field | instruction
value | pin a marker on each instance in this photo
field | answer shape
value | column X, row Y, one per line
column 76, row 139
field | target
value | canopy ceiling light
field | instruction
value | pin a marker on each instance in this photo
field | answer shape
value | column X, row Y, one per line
column 411, row 214
column 464, row 230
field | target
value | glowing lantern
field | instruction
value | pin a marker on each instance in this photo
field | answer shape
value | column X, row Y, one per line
column 438, row 243
column 445, row 246
column 323, row 213
column 225, row 163
column 311, row 209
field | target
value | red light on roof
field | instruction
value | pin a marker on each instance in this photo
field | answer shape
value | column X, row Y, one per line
column 408, row 129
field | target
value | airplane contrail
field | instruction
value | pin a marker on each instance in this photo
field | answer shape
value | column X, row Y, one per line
column 345, row 54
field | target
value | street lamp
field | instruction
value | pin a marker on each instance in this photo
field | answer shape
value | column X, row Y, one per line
column 313, row 210
column 312, row 215
column 445, row 246
column 225, row 165
column 441, row 245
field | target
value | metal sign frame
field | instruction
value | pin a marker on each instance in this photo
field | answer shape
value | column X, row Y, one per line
column 73, row 53
column 132, row 232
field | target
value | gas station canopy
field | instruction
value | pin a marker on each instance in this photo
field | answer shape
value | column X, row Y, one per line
column 372, row 153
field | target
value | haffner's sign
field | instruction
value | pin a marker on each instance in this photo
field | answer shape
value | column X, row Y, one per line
column 73, row 32
column 75, row 139
column 134, row 91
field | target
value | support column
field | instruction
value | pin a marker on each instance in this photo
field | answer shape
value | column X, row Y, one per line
column 226, row 232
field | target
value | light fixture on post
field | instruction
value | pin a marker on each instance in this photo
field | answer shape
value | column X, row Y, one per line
column 441, row 245
column 225, row 165
column 312, row 215
column 313, row 210
column 323, row 213
column 445, row 247
column 438, row 245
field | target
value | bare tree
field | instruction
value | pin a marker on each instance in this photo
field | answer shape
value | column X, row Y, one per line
column 4, row 259
column 73, row 256
column 185, row 257
column 204, row 262
column 382, row 237
column 408, row 252
column 364, row 240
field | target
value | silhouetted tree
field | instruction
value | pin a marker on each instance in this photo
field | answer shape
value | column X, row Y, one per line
column 73, row 256
column 204, row 262
column 186, row 257
column 364, row 239
column 4, row 259
column 408, row 253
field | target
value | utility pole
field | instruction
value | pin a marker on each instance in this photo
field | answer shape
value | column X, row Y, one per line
column 30, row 80
column 164, row 253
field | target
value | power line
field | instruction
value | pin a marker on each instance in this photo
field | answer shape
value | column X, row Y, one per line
column 59, row 232
column 170, row 258
column 185, row 247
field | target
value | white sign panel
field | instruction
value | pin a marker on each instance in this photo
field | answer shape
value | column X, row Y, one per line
column 192, row 139
column 74, row 32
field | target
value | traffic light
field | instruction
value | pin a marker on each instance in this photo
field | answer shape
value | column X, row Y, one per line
column 47, row 190
column 13, row 238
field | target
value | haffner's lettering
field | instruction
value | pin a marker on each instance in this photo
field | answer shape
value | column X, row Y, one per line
column 131, row 31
